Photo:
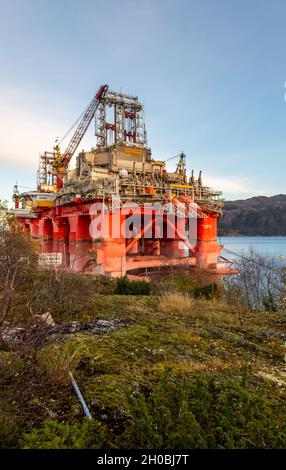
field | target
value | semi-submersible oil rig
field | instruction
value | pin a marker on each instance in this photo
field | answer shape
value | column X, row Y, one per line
column 154, row 209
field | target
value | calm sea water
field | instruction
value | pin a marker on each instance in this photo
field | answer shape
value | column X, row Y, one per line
column 274, row 246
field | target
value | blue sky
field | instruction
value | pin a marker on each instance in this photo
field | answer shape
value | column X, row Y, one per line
column 211, row 74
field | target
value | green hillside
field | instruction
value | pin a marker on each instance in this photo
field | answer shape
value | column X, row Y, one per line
column 164, row 370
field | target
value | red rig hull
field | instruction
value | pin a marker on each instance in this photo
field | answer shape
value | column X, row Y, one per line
column 67, row 230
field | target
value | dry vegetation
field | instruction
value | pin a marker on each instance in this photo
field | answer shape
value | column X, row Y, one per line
column 56, row 361
column 178, row 304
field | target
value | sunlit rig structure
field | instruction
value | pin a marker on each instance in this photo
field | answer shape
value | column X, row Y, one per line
column 120, row 172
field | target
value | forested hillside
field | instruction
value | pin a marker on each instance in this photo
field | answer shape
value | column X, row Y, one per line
column 255, row 216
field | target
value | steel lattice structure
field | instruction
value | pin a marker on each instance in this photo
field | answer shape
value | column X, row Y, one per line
column 128, row 121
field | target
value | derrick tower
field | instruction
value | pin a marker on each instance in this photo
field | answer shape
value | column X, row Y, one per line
column 120, row 120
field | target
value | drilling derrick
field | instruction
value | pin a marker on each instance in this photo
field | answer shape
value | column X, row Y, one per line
column 127, row 125
column 149, row 218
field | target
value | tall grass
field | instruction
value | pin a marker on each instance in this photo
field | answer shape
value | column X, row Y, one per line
column 57, row 361
column 185, row 306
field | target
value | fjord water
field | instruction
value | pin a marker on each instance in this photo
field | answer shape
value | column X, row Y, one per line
column 273, row 246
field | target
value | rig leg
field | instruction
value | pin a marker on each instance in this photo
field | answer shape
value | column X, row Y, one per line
column 207, row 248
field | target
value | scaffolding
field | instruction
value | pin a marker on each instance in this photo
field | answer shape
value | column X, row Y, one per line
column 46, row 177
column 127, row 116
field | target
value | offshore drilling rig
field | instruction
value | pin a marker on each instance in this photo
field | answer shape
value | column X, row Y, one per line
column 119, row 211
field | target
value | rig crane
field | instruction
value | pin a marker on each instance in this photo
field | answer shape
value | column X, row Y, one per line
column 61, row 161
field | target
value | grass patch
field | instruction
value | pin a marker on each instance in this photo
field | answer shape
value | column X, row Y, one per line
column 176, row 304
column 58, row 360
column 185, row 306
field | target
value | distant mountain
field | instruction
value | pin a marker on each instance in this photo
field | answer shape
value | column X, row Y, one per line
column 255, row 216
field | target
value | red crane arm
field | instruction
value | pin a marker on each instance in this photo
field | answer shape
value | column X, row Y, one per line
column 82, row 127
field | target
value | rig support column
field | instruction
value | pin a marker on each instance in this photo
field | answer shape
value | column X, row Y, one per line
column 207, row 248
column 111, row 251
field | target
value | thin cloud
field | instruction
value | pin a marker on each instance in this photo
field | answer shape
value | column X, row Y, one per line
column 27, row 129
column 24, row 136
column 230, row 185
column 234, row 188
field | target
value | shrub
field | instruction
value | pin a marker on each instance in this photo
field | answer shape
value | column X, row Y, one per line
column 8, row 433
column 269, row 303
column 261, row 282
column 209, row 292
column 55, row 435
column 179, row 280
column 58, row 291
column 210, row 411
column 18, row 261
column 102, row 284
column 162, row 420
column 204, row 410
column 126, row 287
